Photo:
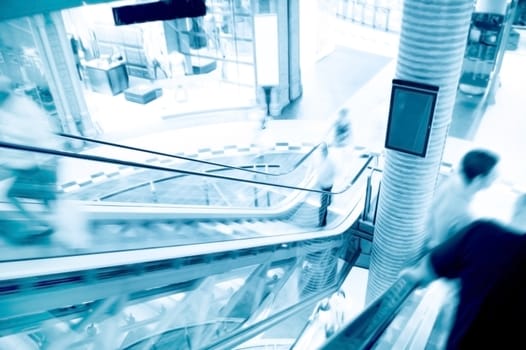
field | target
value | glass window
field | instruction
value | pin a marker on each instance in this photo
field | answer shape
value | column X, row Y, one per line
column 124, row 73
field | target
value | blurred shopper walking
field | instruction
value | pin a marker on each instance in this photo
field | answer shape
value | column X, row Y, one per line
column 450, row 210
column 450, row 213
column 34, row 175
column 325, row 182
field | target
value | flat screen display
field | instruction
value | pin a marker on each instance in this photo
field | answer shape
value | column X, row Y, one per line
column 410, row 116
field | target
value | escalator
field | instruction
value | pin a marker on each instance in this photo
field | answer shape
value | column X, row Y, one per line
column 180, row 249
column 404, row 317
column 250, row 201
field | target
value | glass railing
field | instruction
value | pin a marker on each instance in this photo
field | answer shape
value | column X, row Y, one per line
column 117, row 227
column 286, row 167
column 192, row 207
column 287, row 315
column 217, row 311
column 140, row 319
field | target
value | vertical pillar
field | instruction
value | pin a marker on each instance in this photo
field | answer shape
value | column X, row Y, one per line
column 59, row 66
column 288, row 86
column 295, row 86
column 432, row 44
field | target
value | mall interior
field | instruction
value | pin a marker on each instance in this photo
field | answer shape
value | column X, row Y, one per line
column 182, row 143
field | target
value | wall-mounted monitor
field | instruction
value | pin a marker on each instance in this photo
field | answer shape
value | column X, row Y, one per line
column 410, row 116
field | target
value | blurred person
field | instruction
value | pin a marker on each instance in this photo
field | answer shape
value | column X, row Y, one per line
column 325, row 181
column 489, row 261
column 34, row 175
column 450, row 213
column 341, row 308
column 343, row 133
column 342, row 148
column 450, row 209
column 78, row 53
column 326, row 317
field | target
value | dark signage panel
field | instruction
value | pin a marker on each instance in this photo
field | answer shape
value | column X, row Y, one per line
column 410, row 116
column 158, row 11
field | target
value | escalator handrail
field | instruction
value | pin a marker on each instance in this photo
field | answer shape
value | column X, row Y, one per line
column 363, row 331
column 187, row 172
column 226, row 166
column 53, row 276
column 53, row 266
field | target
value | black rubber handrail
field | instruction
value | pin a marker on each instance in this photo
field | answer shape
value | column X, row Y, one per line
column 132, row 148
column 363, row 332
column 161, row 168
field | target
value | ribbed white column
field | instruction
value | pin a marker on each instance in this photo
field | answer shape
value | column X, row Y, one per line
column 280, row 95
column 431, row 50
column 295, row 86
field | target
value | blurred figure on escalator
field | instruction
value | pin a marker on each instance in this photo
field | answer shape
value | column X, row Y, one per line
column 342, row 148
column 326, row 317
column 34, row 175
column 450, row 209
column 326, row 174
column 488, row 260
column 343, row 131
column 450, row 213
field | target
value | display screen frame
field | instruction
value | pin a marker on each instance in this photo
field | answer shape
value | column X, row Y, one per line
column 421, row 139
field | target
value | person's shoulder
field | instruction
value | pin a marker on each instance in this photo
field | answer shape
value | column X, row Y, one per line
column 478, row 230
column 482, row 226
column 488, row 225
column 492, row 231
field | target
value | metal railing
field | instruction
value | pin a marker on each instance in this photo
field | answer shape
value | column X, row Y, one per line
column 14, row 146
column 195, row 160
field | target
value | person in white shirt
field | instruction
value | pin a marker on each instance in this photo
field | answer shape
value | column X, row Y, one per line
column 341, row 308
column 449, row 212
column 326, row 317
column 343, row 132
column 342, row 148
column 326, row 176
